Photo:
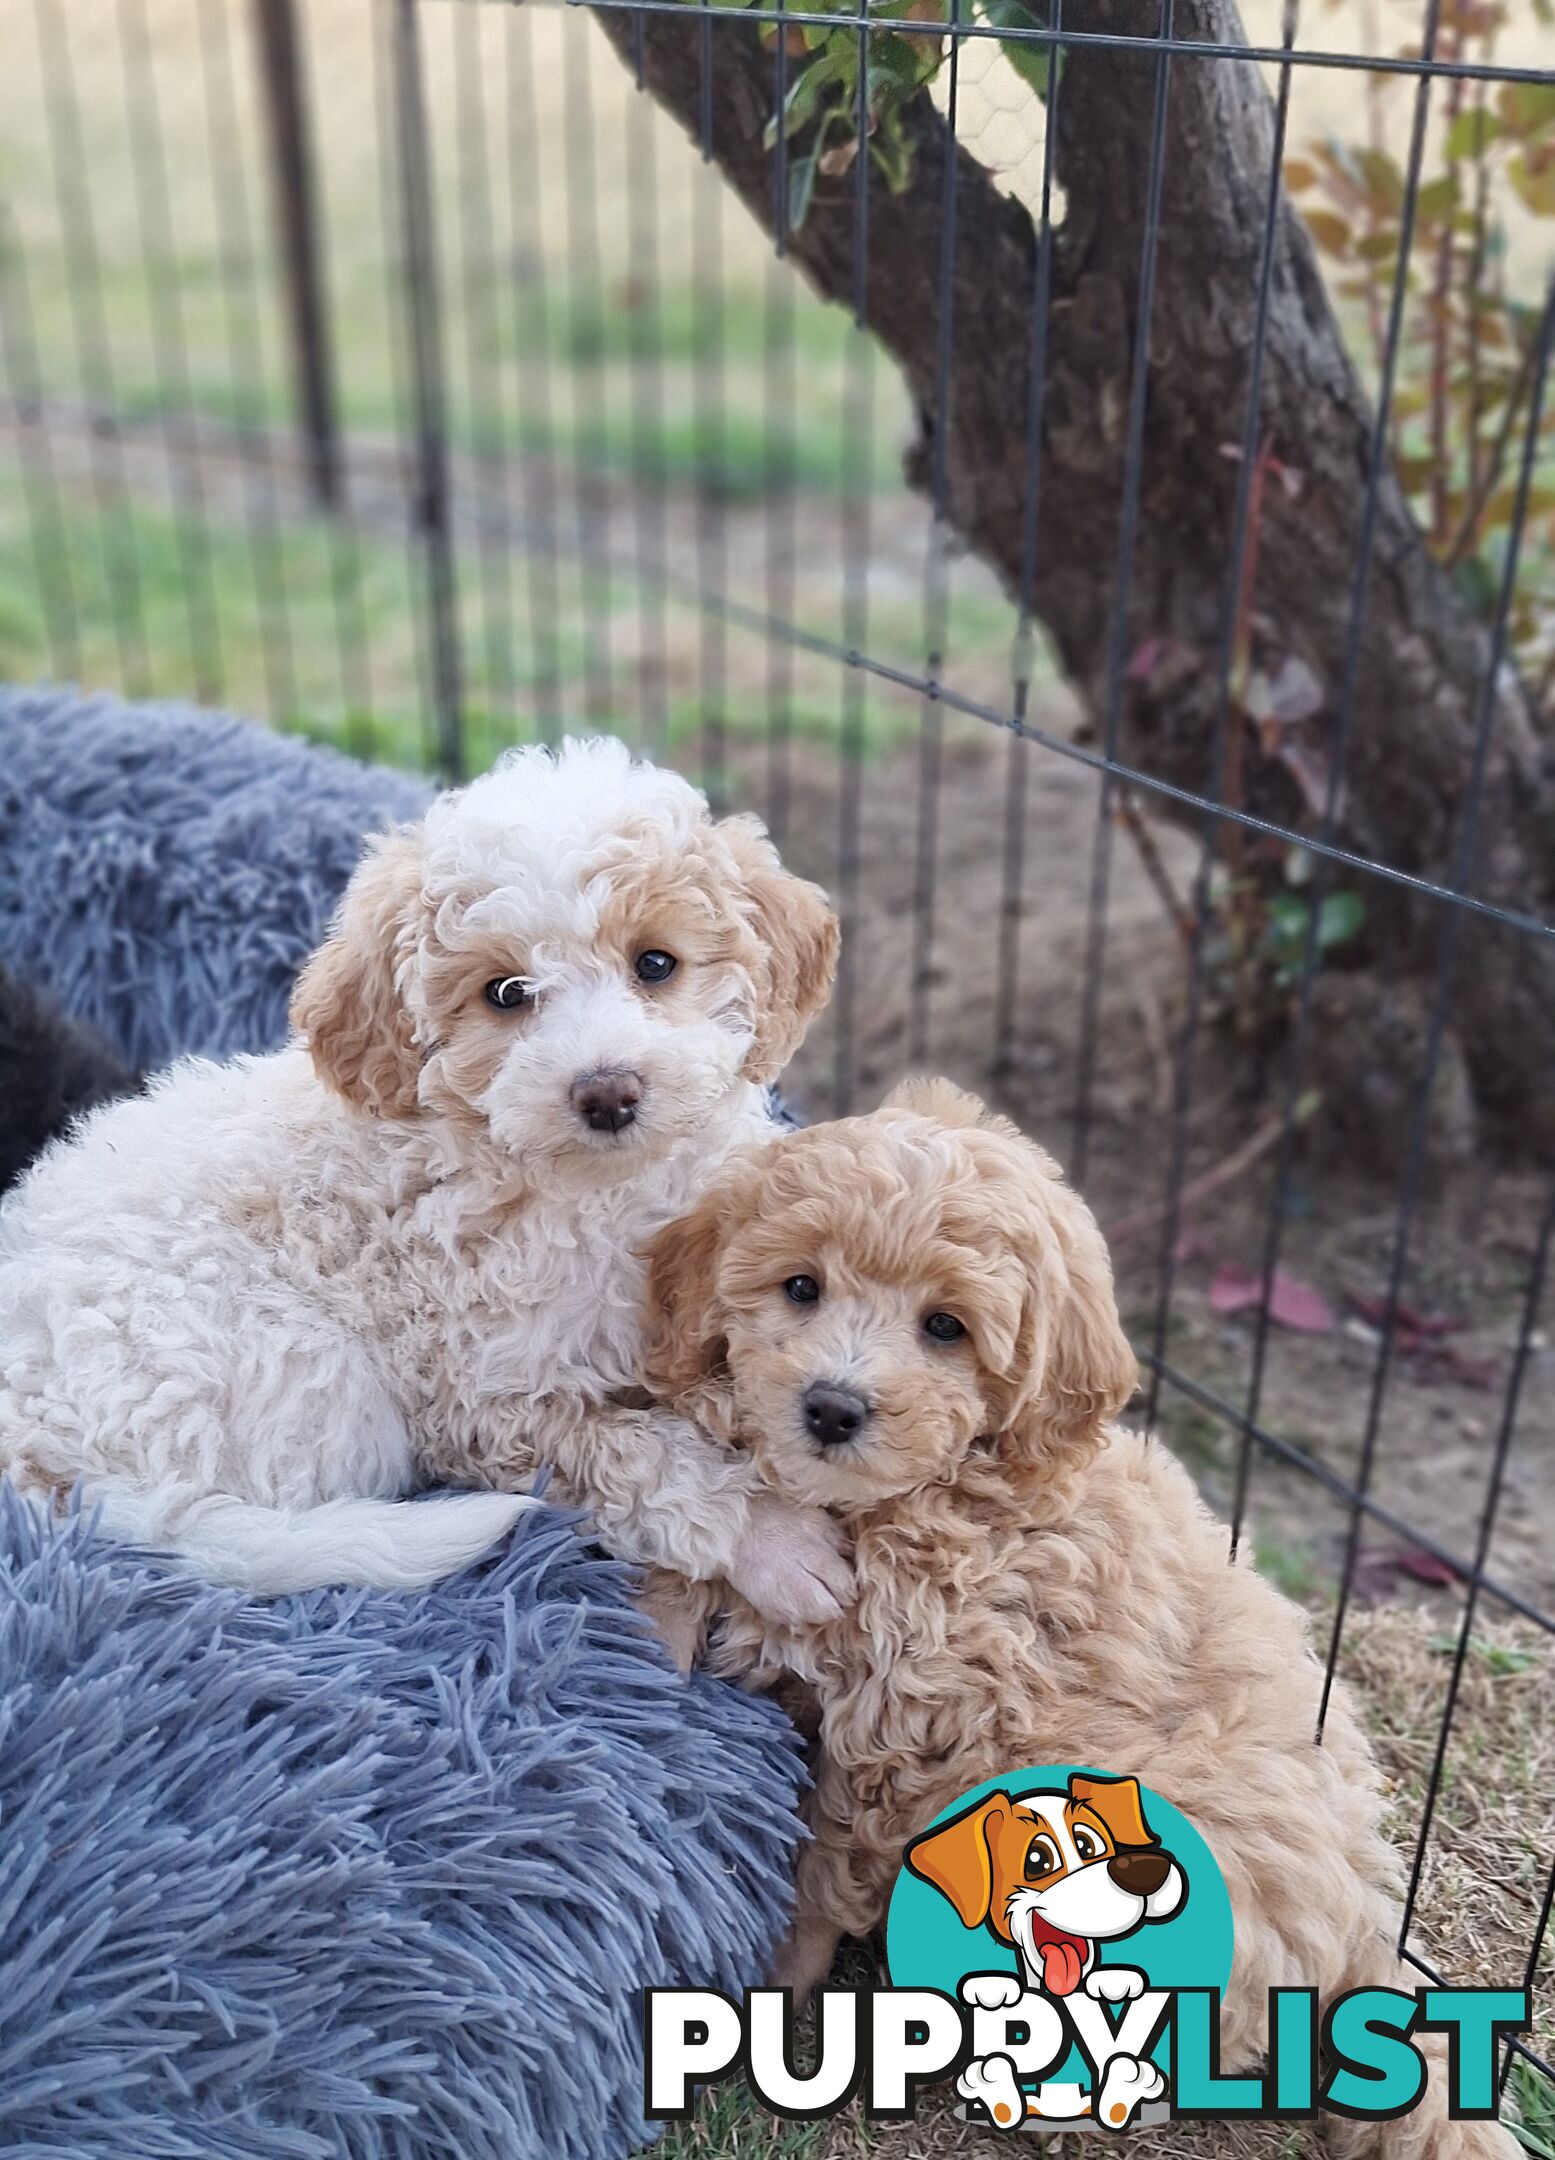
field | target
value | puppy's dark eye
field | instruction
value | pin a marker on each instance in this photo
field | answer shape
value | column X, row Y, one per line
column 943, row 1326
column 802, row 1290
column 656, row 967
column 507, row 992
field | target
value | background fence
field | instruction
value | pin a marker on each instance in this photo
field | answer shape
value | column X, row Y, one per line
column 398, row 371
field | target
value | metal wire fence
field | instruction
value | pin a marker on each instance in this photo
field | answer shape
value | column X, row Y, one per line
column 403, row 373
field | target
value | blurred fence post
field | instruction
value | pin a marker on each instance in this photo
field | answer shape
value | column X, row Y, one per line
column 286, row 122
column 432, row 508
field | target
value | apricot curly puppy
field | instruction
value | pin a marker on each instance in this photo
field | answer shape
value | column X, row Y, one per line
column 909, row 1318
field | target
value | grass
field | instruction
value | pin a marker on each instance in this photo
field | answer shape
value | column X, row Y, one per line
column 320, row 625
column 1531, row 2110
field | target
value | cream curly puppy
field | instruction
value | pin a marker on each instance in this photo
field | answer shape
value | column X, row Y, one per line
column 251, row 1310
column 909, row 1319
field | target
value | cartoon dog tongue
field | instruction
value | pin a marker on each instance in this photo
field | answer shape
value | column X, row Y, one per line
column 1063, row 1956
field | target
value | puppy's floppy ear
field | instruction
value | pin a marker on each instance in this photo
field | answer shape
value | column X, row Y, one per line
column 1074, row 1368
column 347, row 1002
column 1116, row 1800
column 800, row 935
column 684, row 1331
column 957, row 1858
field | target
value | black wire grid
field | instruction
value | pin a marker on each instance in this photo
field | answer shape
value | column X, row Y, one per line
column 487, row 577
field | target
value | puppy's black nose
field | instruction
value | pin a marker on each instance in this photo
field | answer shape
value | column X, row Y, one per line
column 834, row 1414
column 1140, row 1873
column 607, row 1101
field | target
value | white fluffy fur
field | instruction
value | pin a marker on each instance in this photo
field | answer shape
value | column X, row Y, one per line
column 249, row 1312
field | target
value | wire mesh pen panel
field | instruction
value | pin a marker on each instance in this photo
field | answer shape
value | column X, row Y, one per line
column 1085, row 471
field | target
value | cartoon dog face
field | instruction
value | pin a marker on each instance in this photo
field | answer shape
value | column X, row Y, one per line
column 1054, row 1873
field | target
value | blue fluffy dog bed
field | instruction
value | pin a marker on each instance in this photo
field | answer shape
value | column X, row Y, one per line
column 350, row 1875
column 166, row 871
column 358, row 1874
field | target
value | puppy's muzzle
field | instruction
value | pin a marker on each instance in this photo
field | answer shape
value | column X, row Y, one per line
column 1141, row 1874
column 607, row 1101
column 834, row 1414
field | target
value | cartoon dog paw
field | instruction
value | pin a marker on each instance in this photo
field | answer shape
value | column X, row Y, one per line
column 1114, row 1983
column 991, row 1991
column 990, row 2083
column 1124, row 2090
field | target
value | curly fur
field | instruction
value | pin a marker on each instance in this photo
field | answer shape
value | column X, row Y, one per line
column 1036, row 1584
column 398, row 1231
column 52, row 1071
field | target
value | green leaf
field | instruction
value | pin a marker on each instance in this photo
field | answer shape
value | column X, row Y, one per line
column 1341, row 916
column 802, row 102
column 1384, row 182
column 1329, row 230
column 1469, row 134
column 801, row 183
column 1032, row 63
column 899, row 66
column 1534, row 183
column 1528, row 108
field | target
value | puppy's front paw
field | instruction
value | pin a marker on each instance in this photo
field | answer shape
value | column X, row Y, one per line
column 1114, row 1983
column 1128, row 2084
column 991, row 1991
column 790, row 1564
column 991, row 2083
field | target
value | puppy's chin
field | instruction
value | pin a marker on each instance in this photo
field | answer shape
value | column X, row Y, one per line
column 859, row 1474
column 557, row 1151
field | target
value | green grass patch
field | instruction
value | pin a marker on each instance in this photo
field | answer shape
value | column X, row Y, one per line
column 321, row 629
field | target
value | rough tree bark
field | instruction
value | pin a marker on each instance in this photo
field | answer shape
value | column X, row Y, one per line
column 1425, row 656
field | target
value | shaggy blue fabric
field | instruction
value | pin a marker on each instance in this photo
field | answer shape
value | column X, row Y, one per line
column 165, row 871
column 352, row 1876
column 358, row 1876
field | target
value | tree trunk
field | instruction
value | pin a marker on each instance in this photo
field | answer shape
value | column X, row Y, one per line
column 1424, row 656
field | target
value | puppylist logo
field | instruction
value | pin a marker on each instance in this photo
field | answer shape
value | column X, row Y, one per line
column 1058, row 1943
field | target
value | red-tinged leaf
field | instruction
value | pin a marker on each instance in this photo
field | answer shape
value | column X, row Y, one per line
column 1233, row 1292
column 1408, row 1319
column 1190, row 1245
column 1425, row 1567
column 1146, row 655
column 1377, row 1569
column 1292, row 1304
column 1440, row 1362
column 1374, row 1576
column 1297, row 1305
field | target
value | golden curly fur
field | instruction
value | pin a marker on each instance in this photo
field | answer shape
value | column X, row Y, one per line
column 1036, row 1583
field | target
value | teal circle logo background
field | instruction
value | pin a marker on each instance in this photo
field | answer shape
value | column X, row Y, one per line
column 926, row 1945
